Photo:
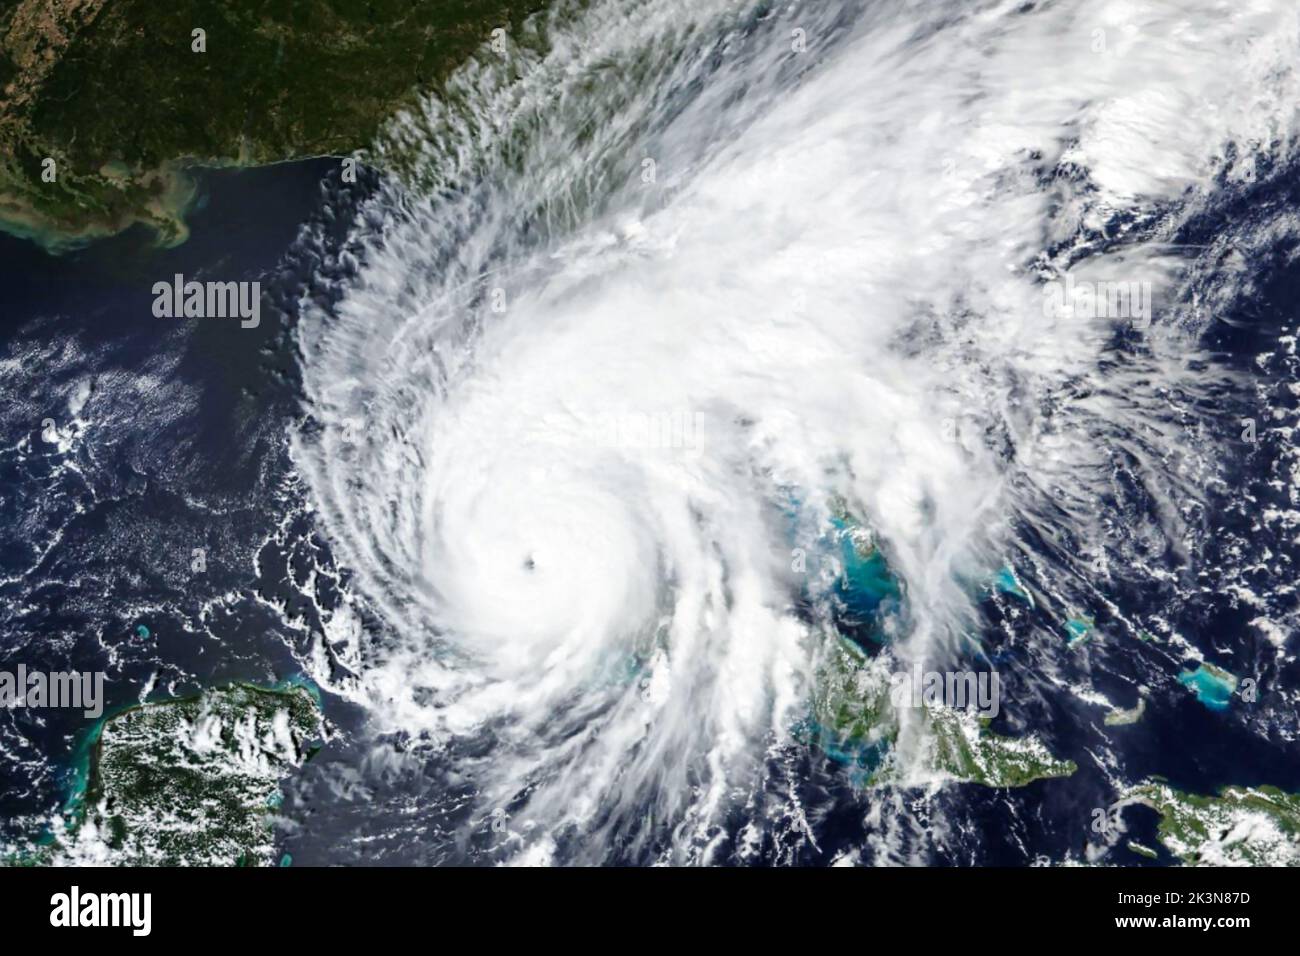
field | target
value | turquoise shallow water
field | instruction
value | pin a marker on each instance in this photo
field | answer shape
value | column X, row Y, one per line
column 866, row 589
column 1211, row 689
column 1006, row 582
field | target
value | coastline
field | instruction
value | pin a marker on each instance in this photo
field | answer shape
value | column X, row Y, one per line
column 173, row 190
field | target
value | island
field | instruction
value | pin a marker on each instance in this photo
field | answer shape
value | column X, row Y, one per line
column 185, row 781
column 1238, row 826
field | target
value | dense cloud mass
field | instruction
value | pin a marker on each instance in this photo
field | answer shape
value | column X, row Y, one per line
column 665, row 293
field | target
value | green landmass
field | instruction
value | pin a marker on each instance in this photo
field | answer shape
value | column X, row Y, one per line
column 191, row 781
column 1145, row 851
column 1240, row 826
column 966, row 750
column 856, row 715
column 116, row 96
column 855, row 722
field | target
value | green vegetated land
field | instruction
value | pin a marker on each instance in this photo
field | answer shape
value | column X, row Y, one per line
column 186, row 781
column 1239, row 826
column 113, row 92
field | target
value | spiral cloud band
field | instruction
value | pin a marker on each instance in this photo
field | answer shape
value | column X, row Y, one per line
column 656, row 293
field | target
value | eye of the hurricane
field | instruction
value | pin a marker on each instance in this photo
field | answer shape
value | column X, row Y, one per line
column 536, row 574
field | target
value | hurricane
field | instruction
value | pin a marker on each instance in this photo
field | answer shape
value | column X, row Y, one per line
column 695, row 367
